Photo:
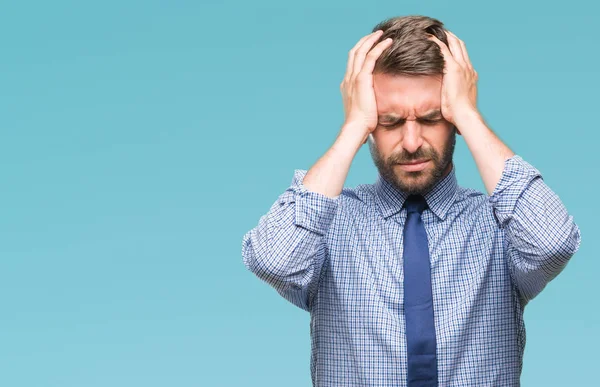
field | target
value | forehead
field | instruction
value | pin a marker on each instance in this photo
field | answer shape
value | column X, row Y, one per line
column 407, row 95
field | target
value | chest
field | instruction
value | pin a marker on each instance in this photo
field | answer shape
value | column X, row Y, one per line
column 365, row 265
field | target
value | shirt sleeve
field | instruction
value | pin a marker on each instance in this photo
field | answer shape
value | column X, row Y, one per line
column 541, row 236
column 286, row 249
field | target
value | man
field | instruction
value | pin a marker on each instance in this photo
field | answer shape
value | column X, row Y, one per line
column 413, row 280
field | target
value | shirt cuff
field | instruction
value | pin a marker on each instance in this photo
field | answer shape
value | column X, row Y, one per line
column 516, row 177
column 314, row 211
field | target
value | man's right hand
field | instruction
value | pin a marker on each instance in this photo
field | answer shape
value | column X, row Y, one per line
column 360, row 107
column 329, row 173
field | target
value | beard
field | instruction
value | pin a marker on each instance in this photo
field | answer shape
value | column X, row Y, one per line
column 415, row 182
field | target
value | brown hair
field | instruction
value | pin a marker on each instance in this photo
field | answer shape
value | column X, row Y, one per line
column 411, row 53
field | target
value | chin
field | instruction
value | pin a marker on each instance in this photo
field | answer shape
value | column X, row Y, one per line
column 417, row 181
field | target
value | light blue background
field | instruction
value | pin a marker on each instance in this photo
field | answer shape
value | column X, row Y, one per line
column 142, row 139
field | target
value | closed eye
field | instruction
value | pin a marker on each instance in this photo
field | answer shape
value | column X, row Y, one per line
column 424, row 121
column 431, row 121
column 393, row 124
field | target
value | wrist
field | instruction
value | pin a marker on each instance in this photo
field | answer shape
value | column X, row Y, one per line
column 466, row 118
column 351, row 137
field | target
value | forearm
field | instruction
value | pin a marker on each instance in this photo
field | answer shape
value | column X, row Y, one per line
column 287, row 248
column 328, row 174
column 284, row 255
column 489, row 152
column 541, row 235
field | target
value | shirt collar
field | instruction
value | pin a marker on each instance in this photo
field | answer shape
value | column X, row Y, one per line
column 439, row 199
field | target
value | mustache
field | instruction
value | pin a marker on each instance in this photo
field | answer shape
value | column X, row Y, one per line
column 405, row 157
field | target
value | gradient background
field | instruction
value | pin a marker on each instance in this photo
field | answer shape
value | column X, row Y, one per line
column 142, row 139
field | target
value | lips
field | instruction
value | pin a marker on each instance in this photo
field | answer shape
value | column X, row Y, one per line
column 414, row 166
column 413, row 162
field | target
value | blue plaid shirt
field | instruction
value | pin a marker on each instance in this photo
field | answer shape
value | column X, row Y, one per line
column 341, row 260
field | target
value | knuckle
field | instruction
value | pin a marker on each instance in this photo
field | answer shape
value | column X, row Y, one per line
column 360, row 52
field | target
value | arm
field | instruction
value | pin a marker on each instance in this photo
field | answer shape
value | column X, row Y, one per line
column 541, row 236
column 459, row 106
column 488, row 151
column 287, row 248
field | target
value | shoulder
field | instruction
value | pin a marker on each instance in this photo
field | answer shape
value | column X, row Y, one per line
column 469, row 197
column 473, row 206
column 362, row 193
column 359, row 200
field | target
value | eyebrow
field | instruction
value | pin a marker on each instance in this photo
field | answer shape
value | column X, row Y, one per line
column 427, row 116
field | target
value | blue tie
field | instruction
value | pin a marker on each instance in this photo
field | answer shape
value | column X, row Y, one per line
column 418, row 302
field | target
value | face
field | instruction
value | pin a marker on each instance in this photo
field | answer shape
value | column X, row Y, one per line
column 411, row 129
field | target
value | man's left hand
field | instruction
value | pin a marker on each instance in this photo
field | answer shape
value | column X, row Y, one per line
column 459, row 82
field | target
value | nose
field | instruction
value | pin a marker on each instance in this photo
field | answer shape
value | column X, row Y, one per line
column 411, row 138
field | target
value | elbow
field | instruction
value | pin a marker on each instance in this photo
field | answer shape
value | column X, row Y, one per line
column 562, row 246
column 248, row 254
column 279, row 265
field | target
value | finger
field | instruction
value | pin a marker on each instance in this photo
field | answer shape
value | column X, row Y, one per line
column 444, row 49
column 454, row 45
column 373, row 55
column 466, row 55
column 351, row 54
column 361, row 53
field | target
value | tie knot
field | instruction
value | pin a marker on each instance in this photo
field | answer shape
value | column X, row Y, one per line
column 415, row 203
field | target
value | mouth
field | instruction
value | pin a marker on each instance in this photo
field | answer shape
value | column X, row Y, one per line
column 416, row 165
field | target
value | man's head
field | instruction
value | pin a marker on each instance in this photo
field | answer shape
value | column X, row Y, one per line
column 407, row 80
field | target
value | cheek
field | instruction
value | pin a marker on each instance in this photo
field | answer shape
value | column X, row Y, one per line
column 384, row 146
column 439, row 139
column 385, row 139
